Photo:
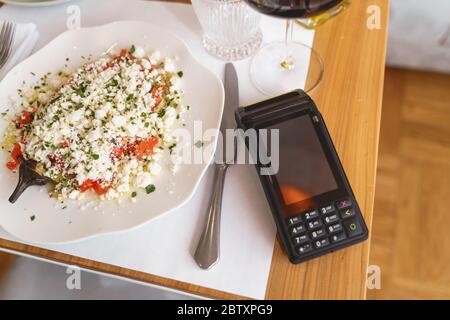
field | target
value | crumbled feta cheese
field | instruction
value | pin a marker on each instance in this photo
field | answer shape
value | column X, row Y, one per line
column 100, row 114
column 75, row 116
column 76, row 98
column 111, row 194
column 143, row 179
column 139, row 52
column 91, row 128
column 169, row 65
column 124, row 188
column 155, row 57
column 155, row 169
column 107, row 107
column 74, row 194
column 94, row 135
column 146, row 64
column 42, row 97
column 119, row 121
column 132, row 129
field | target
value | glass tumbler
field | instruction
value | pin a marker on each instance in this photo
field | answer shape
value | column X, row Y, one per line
column 230, row 28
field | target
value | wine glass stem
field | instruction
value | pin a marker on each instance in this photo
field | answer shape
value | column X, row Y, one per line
column 288, row 61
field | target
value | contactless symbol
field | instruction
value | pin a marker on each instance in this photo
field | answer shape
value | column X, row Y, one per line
column 353, row 227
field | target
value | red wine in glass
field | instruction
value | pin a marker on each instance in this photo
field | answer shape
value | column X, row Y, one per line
column 281, row 66
column 293, row 8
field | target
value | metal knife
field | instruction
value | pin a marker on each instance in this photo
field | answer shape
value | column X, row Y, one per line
column 208, row 249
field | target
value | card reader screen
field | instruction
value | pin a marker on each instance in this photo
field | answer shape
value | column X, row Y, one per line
column 304, row 171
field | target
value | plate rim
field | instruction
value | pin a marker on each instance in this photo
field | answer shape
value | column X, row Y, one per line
column 34, row 4
column 205, row 164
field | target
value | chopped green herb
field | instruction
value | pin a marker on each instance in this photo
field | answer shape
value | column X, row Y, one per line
column 112, row 83
column 150, row 188
column 26, row 129
column 134, row 194
column 95, row 156
column 199, row 144
column 32, row 217
column 180, row 74
column 161, row 113
column 132, row 49
column 54, row 99
column 172, row 147
column 81, row 90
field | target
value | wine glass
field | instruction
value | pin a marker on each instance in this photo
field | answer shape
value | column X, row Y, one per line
column 230, row 28
column 281, row 66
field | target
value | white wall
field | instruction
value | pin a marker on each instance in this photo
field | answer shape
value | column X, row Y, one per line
column 419, row 34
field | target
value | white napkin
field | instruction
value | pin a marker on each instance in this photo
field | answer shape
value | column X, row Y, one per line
column 25, row 38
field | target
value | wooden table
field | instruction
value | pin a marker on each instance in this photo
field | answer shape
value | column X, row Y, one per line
column 349, row 98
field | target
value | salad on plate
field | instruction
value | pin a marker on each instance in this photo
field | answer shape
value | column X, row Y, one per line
column 102, row 128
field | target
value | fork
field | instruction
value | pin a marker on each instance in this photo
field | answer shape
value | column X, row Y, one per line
column 28, row 177
column 6, row 40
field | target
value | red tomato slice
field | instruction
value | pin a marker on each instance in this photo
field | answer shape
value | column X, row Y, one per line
column 123, row 147
column 117, row 153
column 157, row 94
column 65, row 143
column 24, row 118
column 86, row 185
column 16, row 152
column 125, row 53
column 142, row 69
column 98, row 185
column 145, row 147
column 100, row 188
column 13, row 164
column 113, row 62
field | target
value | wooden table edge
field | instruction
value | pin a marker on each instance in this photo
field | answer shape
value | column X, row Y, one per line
column 56, row 257
column 380, row 103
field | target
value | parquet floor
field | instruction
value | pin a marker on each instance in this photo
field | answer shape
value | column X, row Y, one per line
column 411, row 227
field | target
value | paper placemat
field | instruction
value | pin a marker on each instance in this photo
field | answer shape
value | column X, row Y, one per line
column 164, row 247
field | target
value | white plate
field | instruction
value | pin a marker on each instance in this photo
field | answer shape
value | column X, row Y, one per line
column 34, row 3
column 203, row 92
